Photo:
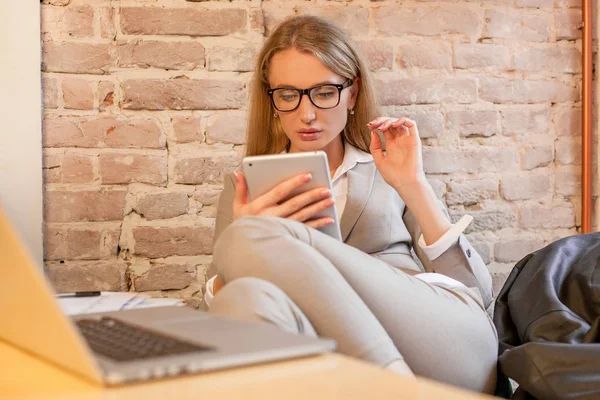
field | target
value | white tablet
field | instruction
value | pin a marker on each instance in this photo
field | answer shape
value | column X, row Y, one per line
column 263, row 173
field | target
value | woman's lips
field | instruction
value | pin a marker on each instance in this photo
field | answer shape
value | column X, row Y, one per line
column 309, row 135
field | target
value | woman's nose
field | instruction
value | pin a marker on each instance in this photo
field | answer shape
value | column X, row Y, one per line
column 307, row 109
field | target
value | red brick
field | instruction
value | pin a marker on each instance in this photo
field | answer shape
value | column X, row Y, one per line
column 80, row 243
column 204, row 168
column 78, row 94
column 397, row 21
column 223, row 58
column 165, row 277
column 106, row 95
column 182, row 21
column 77, row 58
column 161, row 205
column 84, row 205
column 481, row 55
column 108, row 29
column 67, row 21
column 50, row 91
column 183, row 94
column 77, row 168
column 79, row 276
column 166, row 55
column 51, row 167
column 103, row 132
column 187, row 129
column 156, row 242
column 500, row 90
column 426, row 91
column 379, row 54
column 120, row 168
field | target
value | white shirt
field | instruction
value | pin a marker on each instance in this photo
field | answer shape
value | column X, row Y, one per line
column 339, row 182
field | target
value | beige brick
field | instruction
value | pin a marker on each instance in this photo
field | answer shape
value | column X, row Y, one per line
column 77, row 58
column 397, row 21
column 161, row 205
column 165, row 277
column 106, row 95
column 483, row 248
column 379, row 54
column 568, row 151
column 426, row 91
column 156, row 242
column 567, row 120
column 474, row 122
column 481, row 55
column 537, row 156
column 514, row 250
column 430, row 122
column 439, row 187
column 442, row 160
column 257, row 21
column 568, row 24
column 183, row 94
column 524, row 186
column 500, row 90
column 504, row 24
column 85, row 205
column 78, row 94
column 166, row 55
column 548, row 4
column 354, row 20
column 50, row 91
column 79, row 276
column 554, row 59
column 67, row 21
column 432, row 55
column 57, row 2
column 108, row 28
column 77, row 168
column 223, row 58
column 182, row 21
column 205, row 168
column 102, row 132
column 227, row 128
column 187, row 129
column 568, row 3
column 208, row 194
column 487, row 220
column 536, row 216
column 471, row 192
column 119, row 168
column 568, row 180
column 526, row 120
column 274, row 15
column 76, row 243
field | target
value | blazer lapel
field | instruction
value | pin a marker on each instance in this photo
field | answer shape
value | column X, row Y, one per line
column 360, row 184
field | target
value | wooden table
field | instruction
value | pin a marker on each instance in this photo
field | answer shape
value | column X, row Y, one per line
column 329, row 376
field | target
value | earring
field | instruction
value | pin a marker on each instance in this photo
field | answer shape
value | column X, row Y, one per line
column 275, row 115
column 351, row 112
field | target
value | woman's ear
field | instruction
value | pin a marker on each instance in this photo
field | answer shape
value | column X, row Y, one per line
column 354, row 89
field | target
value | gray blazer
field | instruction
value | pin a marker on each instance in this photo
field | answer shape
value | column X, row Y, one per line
column 376, row 221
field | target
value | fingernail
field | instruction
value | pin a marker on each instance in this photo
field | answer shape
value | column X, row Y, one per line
column 307, row 177
column 237, row 177
column 330, row 221
column 325, row 192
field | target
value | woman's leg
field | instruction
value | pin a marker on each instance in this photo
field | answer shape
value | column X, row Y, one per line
column 371, row 309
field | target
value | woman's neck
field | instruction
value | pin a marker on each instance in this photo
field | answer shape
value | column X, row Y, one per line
column 335, row 154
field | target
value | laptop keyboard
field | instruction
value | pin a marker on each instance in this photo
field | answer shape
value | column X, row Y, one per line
column 121, row 341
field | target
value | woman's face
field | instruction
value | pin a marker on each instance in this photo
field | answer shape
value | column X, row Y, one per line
column 310, row 128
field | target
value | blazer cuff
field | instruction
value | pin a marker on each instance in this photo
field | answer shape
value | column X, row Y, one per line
column 447, row 240
column 208, row 293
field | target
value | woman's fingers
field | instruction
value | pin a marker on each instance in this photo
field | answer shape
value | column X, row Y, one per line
column 319, row 222
column 310, row 211
column 241, row 189
column 302, row 200
column 280, row 192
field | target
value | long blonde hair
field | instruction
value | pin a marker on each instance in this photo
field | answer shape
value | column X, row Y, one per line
column 335, row 50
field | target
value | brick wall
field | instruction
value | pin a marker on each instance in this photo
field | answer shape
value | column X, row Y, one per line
column 145, row 110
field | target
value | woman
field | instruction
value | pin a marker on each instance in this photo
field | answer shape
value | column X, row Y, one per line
column 311, row 91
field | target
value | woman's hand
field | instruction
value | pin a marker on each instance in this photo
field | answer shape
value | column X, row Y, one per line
column 402, row 164
column 302, row 207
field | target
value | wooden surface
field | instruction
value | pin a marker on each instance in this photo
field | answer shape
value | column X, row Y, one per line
column 330, row 376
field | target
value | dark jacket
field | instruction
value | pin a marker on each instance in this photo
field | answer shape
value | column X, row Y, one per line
column 548, row 320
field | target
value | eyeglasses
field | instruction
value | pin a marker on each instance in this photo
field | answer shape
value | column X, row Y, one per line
column 322, row 96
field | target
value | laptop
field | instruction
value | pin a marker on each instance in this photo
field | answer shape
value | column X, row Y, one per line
column 119, row 347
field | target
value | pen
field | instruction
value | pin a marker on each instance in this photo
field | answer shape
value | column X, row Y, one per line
column 80, row 294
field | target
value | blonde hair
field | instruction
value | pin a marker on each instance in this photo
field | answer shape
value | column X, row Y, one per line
column 335, row 50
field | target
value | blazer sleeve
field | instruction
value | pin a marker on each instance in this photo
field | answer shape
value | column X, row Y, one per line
column 224, row 214
column 460, row 261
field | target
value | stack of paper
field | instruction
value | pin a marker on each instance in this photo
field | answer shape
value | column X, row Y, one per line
column 112, row 301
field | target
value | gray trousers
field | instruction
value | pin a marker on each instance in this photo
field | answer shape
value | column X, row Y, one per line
column 304, row 281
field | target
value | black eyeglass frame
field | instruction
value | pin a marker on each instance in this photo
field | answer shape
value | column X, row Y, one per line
column 303, row 92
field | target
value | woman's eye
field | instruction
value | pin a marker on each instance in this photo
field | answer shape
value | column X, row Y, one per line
column 325, row 95
column 287, row 96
